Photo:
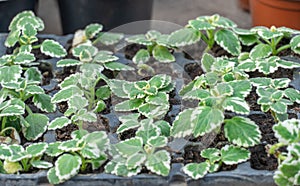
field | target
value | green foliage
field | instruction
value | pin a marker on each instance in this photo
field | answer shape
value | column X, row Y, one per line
column 228, row 155
column 288, row 134
column 145, row 149
column 150, row 98
column 157, row 45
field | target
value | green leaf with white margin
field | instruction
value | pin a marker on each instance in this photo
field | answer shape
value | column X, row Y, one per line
column 279, row 107
column 67, row 166
column 201, row 25
column 157, row 141
column 59, row 123
column 23, row 58
column 196, row 170
column 242, row 131
column 130, row 146
column 77, row 102
column 68, row 63
column 212, row 154
column 10, row 73
column 70, row 146
column 84, row 115
column 295, row 44
column 103, row 92
column 231, row 155
column 183, row 37
column 164, row 127
column 65, row 94
column 205, row 119
column 96, row 143
column 162, row 54
column 97, row 163
column 159, row 163
column 12, row 167
column 117, row 66
column 53, row 149
column 287, row 173
column 247, row 65
column 237, row 105
column 85, row 46
column 161, row 98
column 92, row 30
column 153, row 111
column 13, row 23
column 34, row 89
column 260, row 51
column 36, row 149
column 41, row 164
column 139, row 39
column 104, row 56
column 268, row 65
column 128, row 122
column 207, row 62
column 108, row 38
column 292, row 94
column 14, row 108
column 118, row 87
column 120, row 169
column 147, row 130
column 287, row 64
column 12, row 38
column 261, row 82
column 38, row 125
column 53, row 49
column 135, row 160
column 142, row 56
column 33, row 74
column 43, row 102
column 287, row 131
column 280, row 83
column 229, row 41
column 182, row 125
column 5, row 152
column 52, row 178
column 241, row 88
column 18, row 153
column 129, row 105
column 198, row 94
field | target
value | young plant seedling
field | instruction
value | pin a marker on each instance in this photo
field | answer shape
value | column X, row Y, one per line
column 17, row 159
column 92, row 33
column 157, row 46
column 211, row 29
column 269, row 38
column 229, row 155
column 274, row 96
column 146, row 149
column 288, row 134
column 23, row 30
column 76, row 154
column 150, row 98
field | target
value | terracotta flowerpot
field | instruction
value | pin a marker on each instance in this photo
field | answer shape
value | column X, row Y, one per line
column 276, row 12
column 244, row 4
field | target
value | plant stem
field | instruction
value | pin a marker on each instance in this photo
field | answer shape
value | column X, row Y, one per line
column 283, row 48
column 274, row 147
column 25, row 164
column 28, row 109
column 36, row 46
column 4, row 119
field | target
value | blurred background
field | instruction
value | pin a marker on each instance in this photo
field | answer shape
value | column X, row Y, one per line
column 175, row 11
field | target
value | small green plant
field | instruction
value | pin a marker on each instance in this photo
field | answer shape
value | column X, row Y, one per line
column 211, row 29
column 23, row 30
column 229, row 155
column 150, row 98
column 17, row 159
column 275, row 96
column 146, row 149
column 76, row 154
column 92, row 32
column 288, row 134
column 157, row 46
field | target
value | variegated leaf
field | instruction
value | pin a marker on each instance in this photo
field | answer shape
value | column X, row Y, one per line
column 237, row 105
column 65, row 94
column 159, row 162
column 231, row 155
column 196, row 170
column 162, row 54
column 53, row 49
column 183, row 37
column 37, row 126
column 287, row 131
column 64, row 172
column 229, row 41
column 92, row 30
column 43, row 102
column 142, row 56
column 68, row 62
column 260, row 51
column 59, row 123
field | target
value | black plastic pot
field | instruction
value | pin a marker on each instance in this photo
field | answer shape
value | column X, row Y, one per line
column 76, row 14
column 8, row 9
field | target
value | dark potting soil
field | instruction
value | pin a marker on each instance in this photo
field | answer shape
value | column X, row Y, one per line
column 102, row 124
column 131, row 49
column 64, row 133
column 193, row 70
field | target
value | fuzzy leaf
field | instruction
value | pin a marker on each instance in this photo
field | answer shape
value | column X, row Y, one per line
column 36, row 149
column 135, row 160
column 287, row 64
column 237, row 105
column 260, row 51
column 53, row 149
column 287, row 131
column 12, row 38
column 10, row 73
column 92, row 30
column 11, row 167
column 229, row 41
column 157, row 141
column 183, row 37
column 159, row 163
column 212, row 154
column 38, row 125
column 43, row 102
column 65, row 94
column 196, row 170
column 248, row 40
column 288, row 173
column 160, row 98
column 24, row 58
column 14, row 107
column 104, row 57
column 295, row 44
column 231, row 155
column 153, row 111
column 108, row 38
column 201, row 25
column 130, row 146
column 96, row 143
column 279, row 107
column 117, row 66
column 86, row 46
column 5, row 152
column 128, row 124
column 34, row 89
column 129, row 105
column 241, row 88
column 147, row 130
column 139, row 39
column 267, row 66
column 103, row 92
column 247, row 65
column 53, row 49
column 33, row 75
column 68, row 62
column 41, row 164
column 59, row 123
column 198, row 94
column 70, row 146
column 142, row 56
column 67, row 166
column 162, row 54
column 292, row 94
column 207, row 62
column 51, row 175
column 182, row 125
column 242, row 131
